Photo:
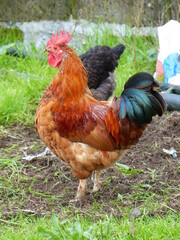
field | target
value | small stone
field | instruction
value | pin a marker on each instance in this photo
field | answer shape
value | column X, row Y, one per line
column 135, row 213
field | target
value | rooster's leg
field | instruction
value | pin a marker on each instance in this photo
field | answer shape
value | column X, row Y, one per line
column 80, row 191
column 97, row 181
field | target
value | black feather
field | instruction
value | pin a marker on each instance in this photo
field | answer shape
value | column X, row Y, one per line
column 100, row 63
column 140, row 99
column 141, row 80
column 118, row 50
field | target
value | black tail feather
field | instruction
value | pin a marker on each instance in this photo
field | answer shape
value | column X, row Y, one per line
column 139, row 99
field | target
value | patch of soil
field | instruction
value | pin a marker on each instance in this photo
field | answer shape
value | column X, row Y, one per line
column 47, row 183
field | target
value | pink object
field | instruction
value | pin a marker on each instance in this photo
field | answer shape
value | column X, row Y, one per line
column 159, row 68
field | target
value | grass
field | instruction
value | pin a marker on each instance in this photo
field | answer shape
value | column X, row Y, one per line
column 81, row 228
column 33, row 74
column 22, row 83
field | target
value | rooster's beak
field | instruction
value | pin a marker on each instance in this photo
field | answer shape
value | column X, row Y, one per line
column 46, row 50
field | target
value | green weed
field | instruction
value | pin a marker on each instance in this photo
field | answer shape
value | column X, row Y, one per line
column 80, row 227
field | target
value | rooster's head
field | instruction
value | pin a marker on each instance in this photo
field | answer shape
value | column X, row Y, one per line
column 55, row 47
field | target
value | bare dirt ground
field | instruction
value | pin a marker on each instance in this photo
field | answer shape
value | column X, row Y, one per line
column 148, row 178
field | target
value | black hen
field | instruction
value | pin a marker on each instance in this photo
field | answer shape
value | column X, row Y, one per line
column 100, row 63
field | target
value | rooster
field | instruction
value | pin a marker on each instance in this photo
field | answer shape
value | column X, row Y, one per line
column 90, row 135
column 100, row 63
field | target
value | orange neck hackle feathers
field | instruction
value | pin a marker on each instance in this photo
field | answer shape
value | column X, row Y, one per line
column 72, row 76
column 71, row 81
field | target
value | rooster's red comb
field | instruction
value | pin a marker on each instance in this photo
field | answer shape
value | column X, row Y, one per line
column 61, row 39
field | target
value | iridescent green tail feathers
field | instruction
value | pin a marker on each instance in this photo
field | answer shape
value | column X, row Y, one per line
column 140, row 101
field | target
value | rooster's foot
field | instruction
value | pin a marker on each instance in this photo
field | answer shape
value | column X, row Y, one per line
column 97, row 182
column 80, row 191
